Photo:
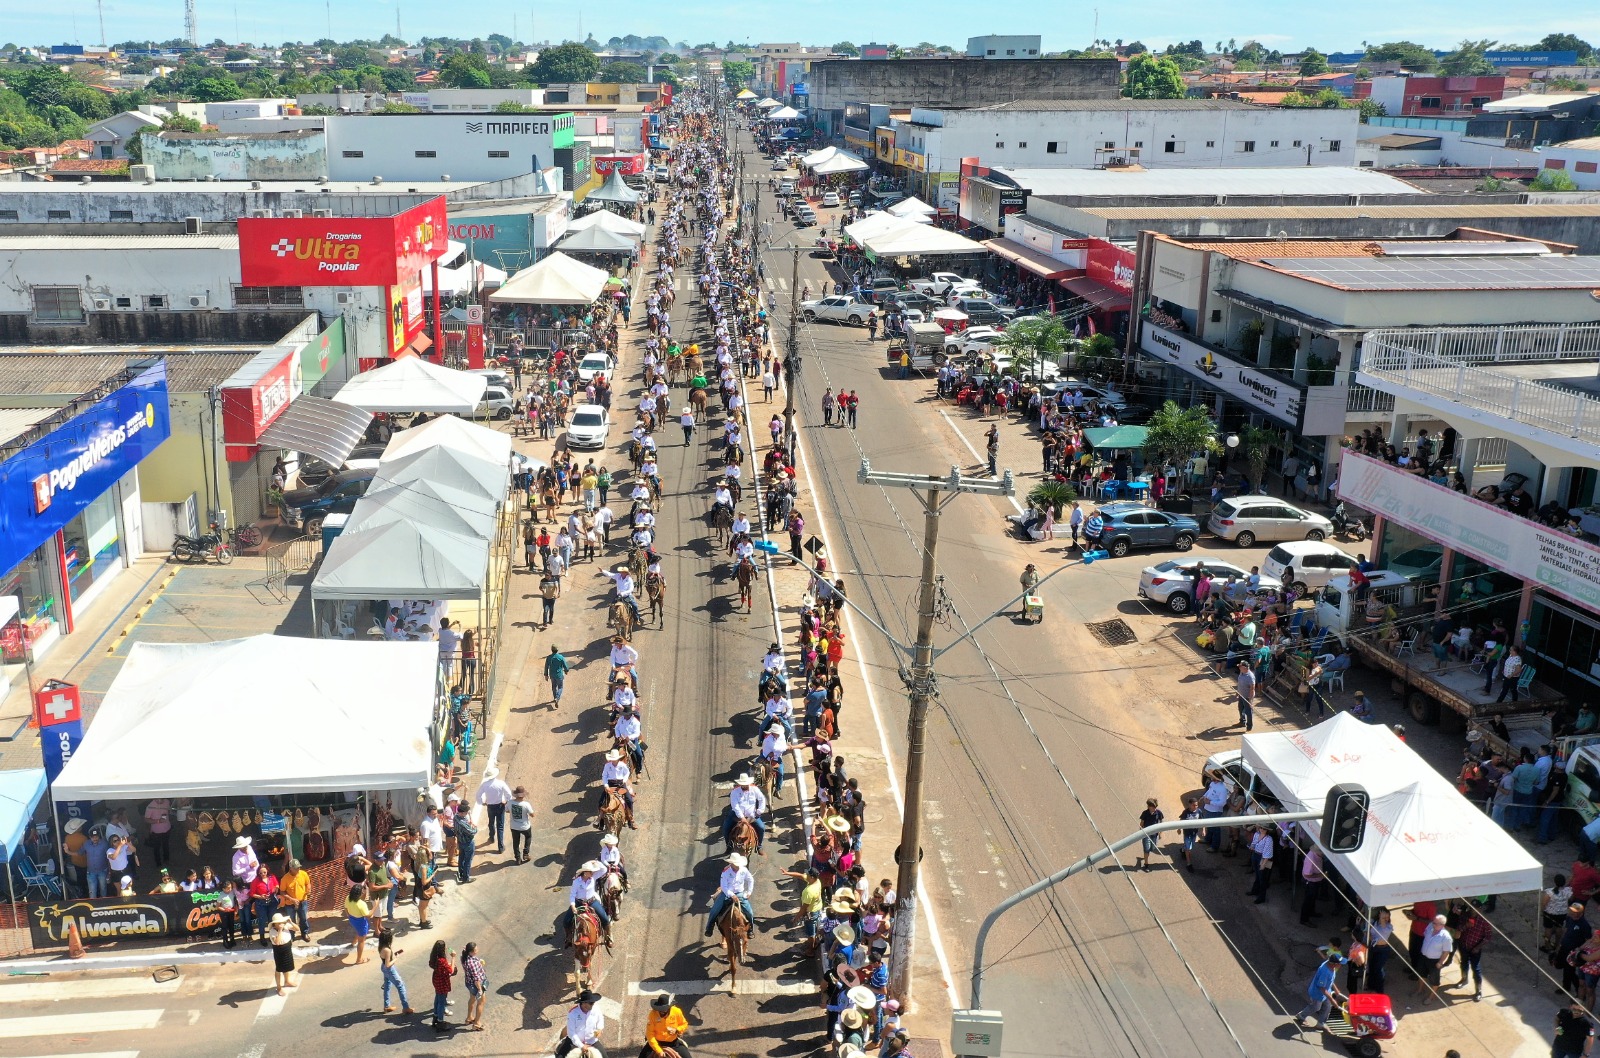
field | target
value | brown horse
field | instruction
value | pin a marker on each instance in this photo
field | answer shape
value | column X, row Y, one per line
column 586, row 937
column 735, row 939
column 655, row 589
column 743, row 837
column 621, row 619
column 611, row 893
column 697, row 404
column 613, row 811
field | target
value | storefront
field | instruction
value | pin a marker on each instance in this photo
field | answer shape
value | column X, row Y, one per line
column 1105, row 290
column 70, row 508
column 1238, row 392
column 252, row 400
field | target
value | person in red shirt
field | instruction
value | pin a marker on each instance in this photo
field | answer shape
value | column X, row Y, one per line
column 1475, row 933
column 443, row 970
column 1584, row 881
column 263, row 902
column 1422, row 913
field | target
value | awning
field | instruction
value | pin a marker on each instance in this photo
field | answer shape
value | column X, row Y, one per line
column 1100, row 297
column 1284, row 313
column 313, row 426
column 20, row 793
column 1117, row 436
column 1040, row 264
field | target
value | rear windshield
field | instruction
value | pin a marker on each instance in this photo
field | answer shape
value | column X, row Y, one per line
column 1226, row 509
column 1280, row 555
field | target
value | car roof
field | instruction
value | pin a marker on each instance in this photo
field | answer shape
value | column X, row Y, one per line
column 587, row 407
column 1308, row 547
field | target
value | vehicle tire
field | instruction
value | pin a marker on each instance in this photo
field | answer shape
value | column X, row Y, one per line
column 1178, row 603
column 940, row 359
column 809, row 316
column 1422, row 707
column 1316, row 534
column 1119, row 548
column 247, row 536
column 312, row 526
column 503, row 414
column 1299, row 589
column 224, row 555
column 175, row 557
column 855, row 321
column 1183, row 542
column 1245, row 539
column 1369, row 1048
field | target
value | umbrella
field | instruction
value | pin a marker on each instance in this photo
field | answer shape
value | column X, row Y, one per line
column 953, row 315
column 1117, row 436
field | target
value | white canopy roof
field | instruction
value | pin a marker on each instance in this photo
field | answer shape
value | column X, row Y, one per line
column 452, row 433
column 769, row 102
column 596, row 239
column 426, row 503
column 413, row 384
column 839, row 163
column 1424, row 841
column 462, row 470
column 783, row 114
column 872, row 224
column 556, row 280
column 911, row 207
column 899, row 237
column 402, row 560
column 822, row 155
column 364, row 708
column 604, row 218
column 615, row 189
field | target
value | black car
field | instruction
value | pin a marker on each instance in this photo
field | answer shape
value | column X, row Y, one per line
column 910, row 299
column 307, row 507
column 314, row 472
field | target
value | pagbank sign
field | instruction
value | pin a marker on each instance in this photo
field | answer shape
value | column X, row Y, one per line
column 341, row 251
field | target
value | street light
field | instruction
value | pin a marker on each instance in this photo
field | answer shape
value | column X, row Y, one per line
column 1233, row 440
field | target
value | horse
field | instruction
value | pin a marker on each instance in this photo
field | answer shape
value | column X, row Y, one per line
column 586, row 937
column 655, row 589
column 743, row 837
column 611, row 891
column 766, row 777
column 621, row 619
column 613, row 811
column 735, row 939
column 675, row 370
column 697, row 404
column 721, row 518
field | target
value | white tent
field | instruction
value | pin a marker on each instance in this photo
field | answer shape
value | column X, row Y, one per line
column 462, row 470
column 414, row 384
column 906, row 238
column 1424, row 841
column 595, row 239
column 402, row 560
column 465, row 276
column 615, row 222
column 426, row 503
column 911, row 208
column 818, row 156
column 839, row 163
column 359, row 714
column 615, row 189
column 768, row 103
column 873, row 223
column 556, row 280
column 452, row 433
column 783, row 114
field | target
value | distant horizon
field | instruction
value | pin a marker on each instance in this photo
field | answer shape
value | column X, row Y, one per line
column 1155, row 23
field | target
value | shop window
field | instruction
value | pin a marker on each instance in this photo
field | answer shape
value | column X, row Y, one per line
column 1298, row 143
column 1272, row 143
column 266, row 297
column 38, row 594
column 1172, row 147
column 1333, row 146
column 58, row 304
column 1022, row 145
column 1051, row 146
column 1431, row 102
column 1247, row 147
column 93, row 550
column 999, row 143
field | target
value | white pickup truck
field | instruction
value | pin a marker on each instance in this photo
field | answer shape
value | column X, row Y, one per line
column 839, row 308
column 939, row 284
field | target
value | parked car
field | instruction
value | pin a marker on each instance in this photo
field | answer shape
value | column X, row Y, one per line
column 804, row 216
column 1239, row 775
column 881, row 290
column 496, row 403
column 1134, row 525
column 970, row 341
column 785, row 188
column 314, row 472
column 830, row 198
column 596, row 364
column 980, row 311
column 910, row 299
column 780, row 165
column 938, row 284
column 839, row 308
column 589, row 427
column 855, row 198
column 1171, row 583
column 661, row 174
column 307, row 507
column 1315, row 563
column 1246, row 519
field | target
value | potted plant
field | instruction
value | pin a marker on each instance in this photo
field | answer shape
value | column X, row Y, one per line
column 274, row 502
column 1053, row 494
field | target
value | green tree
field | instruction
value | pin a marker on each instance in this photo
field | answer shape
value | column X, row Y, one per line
column 1553, row 180
column 511, row 106
column 1152, row 77
column 1134, row 48
column 1053, row 494
column 844, row 47
column 622, row 73
column 1371, row 108
column 396, row 79
column 216, row 90
column 738, row 73
column 1468, row 60
column 1327, row 99
column 1174, row 434
column 667, row 58
column 1032, row 342
column 1409, row 54
column 1312, row 63
column 396, row 107
column 464, row 70
column 1255, row 445
column 1565, row 42
column 564, row 64
column 180, row 123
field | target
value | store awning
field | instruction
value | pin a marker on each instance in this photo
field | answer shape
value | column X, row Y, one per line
column 313, row 426
column 1284, row 313
column 364, row 708
column 1101, row 298
column 20, row 793
column 1117, row 436
column 414, row 385
column 1035, row 261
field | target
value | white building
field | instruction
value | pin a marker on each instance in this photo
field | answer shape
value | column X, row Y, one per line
column 445, row 146
column 1004, row 46
column 112, row 135
column 1579, row 159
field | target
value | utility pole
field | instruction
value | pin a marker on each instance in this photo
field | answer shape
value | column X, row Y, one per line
column 934, row 494
column 791, row 362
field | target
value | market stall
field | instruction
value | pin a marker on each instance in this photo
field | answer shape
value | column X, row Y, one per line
column 454, row 434
column 899, row 237
column 413, row 385
column 911, row 208
column 613, row 222
column 599, row 240
column 461, row 274
column 556, row 280
column 616, row 190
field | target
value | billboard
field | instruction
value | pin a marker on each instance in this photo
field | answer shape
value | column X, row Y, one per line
column 1110, row 264
column 405, row 313
column 255, row 396
column 116, row 918
column 341, row 251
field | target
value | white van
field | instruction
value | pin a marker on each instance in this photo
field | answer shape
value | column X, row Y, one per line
column 1315, row 563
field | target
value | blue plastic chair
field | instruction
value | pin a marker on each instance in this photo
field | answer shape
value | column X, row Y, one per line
column 33, row 878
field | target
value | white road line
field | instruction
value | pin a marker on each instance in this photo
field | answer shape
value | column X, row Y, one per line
column 978, row 458
column 272, row 1006
column 90, row 1054
column 73, row 1024
column 748, row 986
column 104, row 988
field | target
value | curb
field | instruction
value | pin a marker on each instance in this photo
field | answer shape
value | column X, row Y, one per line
column 66, row 964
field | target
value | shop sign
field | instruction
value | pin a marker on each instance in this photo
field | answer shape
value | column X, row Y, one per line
column 125, row 918
column 322, row 351
column 254, row 398
column 1281, row 399
column 59, row 743
column 1110, row 264
column 341, row 251
column 57, row 703
column 50, row 482
column 405, row 314
column 1560, row 564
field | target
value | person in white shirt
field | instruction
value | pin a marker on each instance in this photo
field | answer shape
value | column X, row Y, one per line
column 773, row 662
column 520, row 812
column 624, row 659
column 494, row 794
column 736, row 883
column 778, row 709
column 611, row 856
column 585, row 889
column 449, row 648
column 585, row 1024
column 432, row 830
column 630, row 730
column 747, row 803
column 622, row 582
column 617, row 775
column 623, row 695
column 741, row 525
column 773, row 748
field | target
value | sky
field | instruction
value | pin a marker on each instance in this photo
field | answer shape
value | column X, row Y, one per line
column 1338, row 26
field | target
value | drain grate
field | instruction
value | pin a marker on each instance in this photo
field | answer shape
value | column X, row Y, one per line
column 1113, row 633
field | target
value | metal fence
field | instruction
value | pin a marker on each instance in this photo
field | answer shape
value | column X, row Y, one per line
column 1477, row 346
column 1366, row 399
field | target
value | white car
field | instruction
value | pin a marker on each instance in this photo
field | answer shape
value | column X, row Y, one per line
column 939, row 284
column 1246, row 519
column 496, row 403
column 977, row 341
column 1171, row 583
column 596, row 364
column 839, row 308
column 830, row 198
column 589, row 427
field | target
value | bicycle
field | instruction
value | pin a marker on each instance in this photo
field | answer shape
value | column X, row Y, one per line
column 246, row 536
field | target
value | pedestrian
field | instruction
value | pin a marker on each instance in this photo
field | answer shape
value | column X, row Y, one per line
column 1148, row 818
column 466, row 844
column 797, row 528
column 851, row 403
column 227, row 907
column 1475, row 933
column 686, row 420
column 1437, row 946
column 440, row 962
column 1075, row 520
column 1575, row 933
column 555, row 671
column 263, row 902
column 1191, row 811
column 294, row 896
column 1215, row 802
column 1320, row 993
column 1246, row 682
column 469, row 662
column 1262, row 848
column 494, row 794
column 769, row 382
column 828, row 404
column 1574, row 1031
column 282, row 940
column 992, row 439
column 549, row 592
column 1311, row 874
column 391, row 973
column 521, row 815
column 477, row 979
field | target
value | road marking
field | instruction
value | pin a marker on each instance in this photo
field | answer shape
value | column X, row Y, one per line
column 748, row 986
column 105, row 988
column 272, row 1006
column 90, row 1054
column 73, row 1024
column 979, row 458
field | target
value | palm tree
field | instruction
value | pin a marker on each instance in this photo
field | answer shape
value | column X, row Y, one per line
column 1255, row 445
column 1031, row 342
column 1053, row 494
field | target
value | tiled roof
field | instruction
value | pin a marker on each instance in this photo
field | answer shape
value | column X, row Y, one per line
column 90, row 165
column 68, row 146
column 1256, row 250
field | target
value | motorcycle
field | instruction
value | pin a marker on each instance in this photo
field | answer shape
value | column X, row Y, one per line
column 204, row 547
column 1347, row 527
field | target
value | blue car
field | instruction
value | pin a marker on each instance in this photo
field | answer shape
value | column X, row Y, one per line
column 1130, row 525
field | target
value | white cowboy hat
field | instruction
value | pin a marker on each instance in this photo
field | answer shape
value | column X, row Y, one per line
column 241, row 842
column 862, row 997
column 277, row 920
column 592, row 867
column 74, row 825
column 609, row 839
column 737, row 860
column 844, row 933
column 745, row 779
column 491, row 773
column 613, row 755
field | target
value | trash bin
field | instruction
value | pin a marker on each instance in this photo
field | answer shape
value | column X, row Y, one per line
column 1182, row 503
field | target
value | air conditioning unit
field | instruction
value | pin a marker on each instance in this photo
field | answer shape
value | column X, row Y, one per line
column 199, row 301
column 347, row 297
column 261, row 213
column 191, row 225
column 322, row 213
column 102, row 304
column 142, row 173
column 291, row 213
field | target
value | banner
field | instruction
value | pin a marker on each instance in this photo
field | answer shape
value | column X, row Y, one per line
column 341, row 251
column 405, row 314
column 1560, row 564
column 124, row 918
column 1278, row 397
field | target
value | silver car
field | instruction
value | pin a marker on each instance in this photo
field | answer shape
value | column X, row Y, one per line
column 1171, row 583
column 1246, row 519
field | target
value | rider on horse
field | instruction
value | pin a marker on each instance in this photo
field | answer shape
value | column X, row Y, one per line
column 586, row 890
column 778, row 710
column 618, row 776
column 629, row 729
column 624, row 660
column 611, row 856
column 622, row 582
column 774, row 746
column 747, row 803
column 736, row 883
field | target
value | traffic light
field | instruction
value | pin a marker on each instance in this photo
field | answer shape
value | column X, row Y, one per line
column 1344, row 818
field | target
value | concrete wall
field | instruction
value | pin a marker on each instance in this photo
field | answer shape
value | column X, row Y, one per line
column 960, row 82
column 189, row 460
column 465, row 147
column 1582, row 165
column 1410, row 308
column 292, row 156
column 136, row 273
column 1004, row 46
column 152, row 328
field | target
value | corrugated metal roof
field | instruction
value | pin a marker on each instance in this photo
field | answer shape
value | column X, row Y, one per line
column 1109, row 105
column 1583, row 143
column 1257, row 250
column 74, row 373
column 1467, row 210
column 15, row 421
column 1275, row 180
column 118, row 242
column 1463, row 273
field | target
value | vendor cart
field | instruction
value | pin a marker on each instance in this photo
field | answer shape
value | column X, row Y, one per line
column 1364, row 1018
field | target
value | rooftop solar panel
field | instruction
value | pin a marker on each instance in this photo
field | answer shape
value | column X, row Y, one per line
column 1468, row 273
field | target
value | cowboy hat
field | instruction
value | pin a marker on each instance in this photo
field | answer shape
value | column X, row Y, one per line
column 277, row 920
column 736, row 859
column 491, row 773
column 241, row 842
column 589, row 997
column 852, row 1020
column 841, row 906
column 838, row 824
column 744, row 779
column 609, row 839
column 847, row 975
column 613, row 755
column 74, row 825
column 844, row 933
column 592, row 867
column 662, row 1002
column 862, row 997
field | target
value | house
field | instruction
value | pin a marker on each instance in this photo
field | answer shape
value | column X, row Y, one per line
column 111, row 136
column 88, row 168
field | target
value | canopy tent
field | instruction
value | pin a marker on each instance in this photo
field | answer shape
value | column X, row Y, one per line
column 326, row 429
column 20, row 793
column 839, row 163
column 768, row 103
column 363, row 709
column 413, row 384
column 898, row 237
column 872, row 224
column 556, row 280
column 487, row 478
column 616, row 222
column 911, row 207
column 596, row 239
column 1424, row 841
column 458, row 435
column 426, row 503
column 744, row 95
column 783, row 114
column 615, row 189
column 818, row 157
column 465, row 277
column 1117, row 436
column 402, row 560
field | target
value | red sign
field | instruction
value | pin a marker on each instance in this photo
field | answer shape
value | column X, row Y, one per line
column 405, row 313
column 341, row 251
column 1112, row 265
column 251, row 404
column 57, row 703
column 629, row 164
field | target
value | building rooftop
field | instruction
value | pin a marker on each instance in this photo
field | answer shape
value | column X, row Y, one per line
column 1585, row 143
column 1552, row 272
column 1461, row 210
column 183, row 187
column 1260, row 249
column 1296, row 180
column 1535, row 101
column 1119, row 104
column 75, row 371
column 118, row 242
column 90, row 165
column 14, row 422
